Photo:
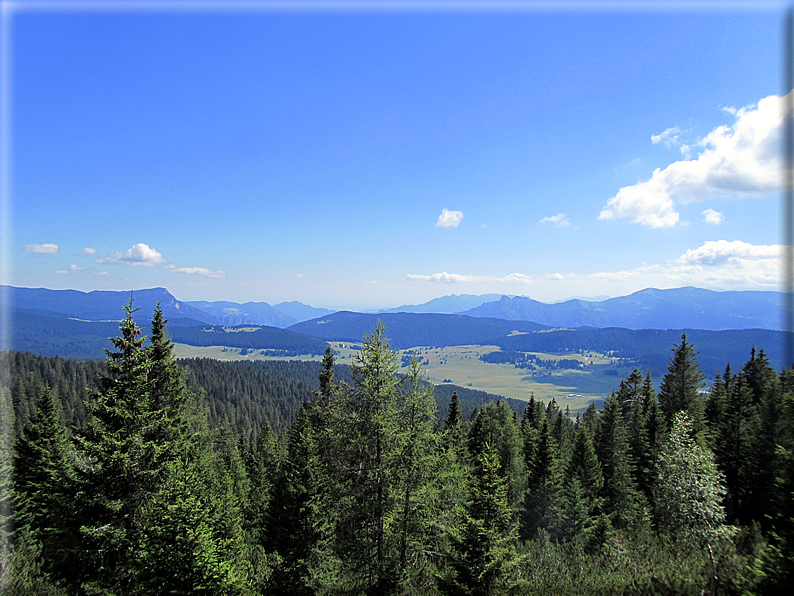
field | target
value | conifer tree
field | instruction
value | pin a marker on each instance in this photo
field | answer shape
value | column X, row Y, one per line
column 119, row 465
column 6, row 467
column 737, row 432
column 645, row 431
column 680, row 387
column 365, row 496
column 623, row 503
column 497, row 426
column 295, row 530
column 544, row 482
column 418, row 478
column 43, row 484
column 576, row 513
column 484, row 560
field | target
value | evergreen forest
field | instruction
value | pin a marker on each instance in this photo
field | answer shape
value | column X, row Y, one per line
column 141, row 475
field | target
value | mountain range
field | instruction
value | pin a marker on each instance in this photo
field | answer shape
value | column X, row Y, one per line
column 280, row 315
column 679, row 308
column 645, row 325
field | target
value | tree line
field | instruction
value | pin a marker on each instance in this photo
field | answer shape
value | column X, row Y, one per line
column 675, row 492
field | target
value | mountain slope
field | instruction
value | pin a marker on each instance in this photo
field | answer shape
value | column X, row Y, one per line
column 407, row 330
column 250, row 313
column 680, row 308
column 101, row 305
column 453, row 304
column 281, row 315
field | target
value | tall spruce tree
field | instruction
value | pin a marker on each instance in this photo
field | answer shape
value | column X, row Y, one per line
column 497, row 425
column 366, row 497
column 43, row 483
column 484, row 560
column 577, row 511
column 680, row 388
column 119, row 465
column 544, row 469
column 623, row 502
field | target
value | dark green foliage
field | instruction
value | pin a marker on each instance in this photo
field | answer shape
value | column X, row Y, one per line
column 43, row 485
column 679, row 391
column 365, row 487
column 261, row 338
column 497, row 425
column 414, row 329
column 576, row 512
column 484, row 559
column 624, row 504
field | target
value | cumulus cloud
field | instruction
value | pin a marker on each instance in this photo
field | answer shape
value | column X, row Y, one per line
column 558, row 221
column 449, row 219
column 198, row 271
column 140, row 255
column 743, row 159
column 75, row 268
column 61, row 272
column 87, row 252
column 712, row 217
column 42, row 249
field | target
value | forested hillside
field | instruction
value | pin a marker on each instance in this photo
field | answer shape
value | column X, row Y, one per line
column 408, row 330
column 248, row 395
column 650, row 348
column 668, row 492
column 51, row 334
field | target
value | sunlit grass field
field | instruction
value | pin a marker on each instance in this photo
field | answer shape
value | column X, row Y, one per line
column 461, row 365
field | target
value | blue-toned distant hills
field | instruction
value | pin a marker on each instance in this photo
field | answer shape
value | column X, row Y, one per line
column 643, row 326
column 453, row 304
column 75, row 324
column 281, row 315
column 101, row 305
column 679, row 308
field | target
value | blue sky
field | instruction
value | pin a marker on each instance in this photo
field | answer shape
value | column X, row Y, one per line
column 372, row 158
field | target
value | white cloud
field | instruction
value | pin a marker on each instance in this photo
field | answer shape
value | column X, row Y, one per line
column 558, row 221
column 42, row 249
column 743, row 159
column 87, row 252
column 140, row 255
column 61, row 272
column 456, row 278
column 449, row 219
column 712, row 217
column 669, row 136
column 719, row 265
column 75, row 268
column 719, row 252
column 101, row 273
column 198, row 271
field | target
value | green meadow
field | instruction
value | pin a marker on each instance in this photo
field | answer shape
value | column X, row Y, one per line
column 461, row 365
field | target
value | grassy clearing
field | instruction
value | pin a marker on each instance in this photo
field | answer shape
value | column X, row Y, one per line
column 461, row 365
column 230, row 354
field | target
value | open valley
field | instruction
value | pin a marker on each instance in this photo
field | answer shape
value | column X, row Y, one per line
column 461, row 365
